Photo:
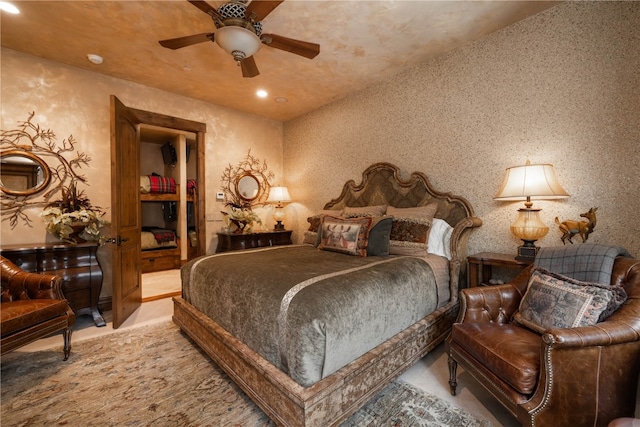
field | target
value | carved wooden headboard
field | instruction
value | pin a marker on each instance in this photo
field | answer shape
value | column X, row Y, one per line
column 382, row 185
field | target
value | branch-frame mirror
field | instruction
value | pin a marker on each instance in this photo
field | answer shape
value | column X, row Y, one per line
column 248, row 183
column 247, row 187
column 22, row 173
column 41, row 165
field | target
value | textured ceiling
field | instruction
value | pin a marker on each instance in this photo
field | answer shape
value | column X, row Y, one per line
column 362, row 42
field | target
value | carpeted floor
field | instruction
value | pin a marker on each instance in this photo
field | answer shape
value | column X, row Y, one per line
column 154, row 376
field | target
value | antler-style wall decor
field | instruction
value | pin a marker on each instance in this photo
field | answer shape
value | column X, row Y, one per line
column 33, row 143
column 248, row 183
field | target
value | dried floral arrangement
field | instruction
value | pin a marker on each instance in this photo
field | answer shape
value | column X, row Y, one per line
column 73, row 218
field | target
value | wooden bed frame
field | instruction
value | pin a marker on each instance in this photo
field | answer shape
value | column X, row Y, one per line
column 336, row 397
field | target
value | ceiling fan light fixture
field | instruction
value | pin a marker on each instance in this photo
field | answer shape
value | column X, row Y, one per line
column 239, row 33
column 237, row 41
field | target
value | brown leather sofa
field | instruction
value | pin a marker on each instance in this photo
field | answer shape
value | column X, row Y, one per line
column 32, row 307
column 584, row 376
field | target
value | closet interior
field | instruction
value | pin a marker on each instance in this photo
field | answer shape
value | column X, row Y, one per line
column 168, row 198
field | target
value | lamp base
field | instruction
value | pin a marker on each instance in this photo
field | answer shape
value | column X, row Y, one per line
column 528, row 251
column 279, row 226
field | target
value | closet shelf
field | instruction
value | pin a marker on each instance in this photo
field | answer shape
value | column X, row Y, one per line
column 164, row 197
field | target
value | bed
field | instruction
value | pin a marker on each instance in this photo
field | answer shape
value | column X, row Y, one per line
column 157, row 184
column 160, row 246
column 157, row 238
column 163, row 253
column 296, row 359
column 160, row 250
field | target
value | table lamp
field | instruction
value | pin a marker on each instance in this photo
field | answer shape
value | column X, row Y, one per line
column 279, row 195
column 529, row 182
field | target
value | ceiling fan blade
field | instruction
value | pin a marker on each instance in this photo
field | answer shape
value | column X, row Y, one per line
column 179, row 42
column 206, row 8
column 249, row 67
column 261, row 8
column 306, row 49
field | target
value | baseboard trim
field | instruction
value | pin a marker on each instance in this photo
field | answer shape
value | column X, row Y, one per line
column 162, row 296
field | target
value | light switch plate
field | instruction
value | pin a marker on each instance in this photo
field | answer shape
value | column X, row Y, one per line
column 220, row 196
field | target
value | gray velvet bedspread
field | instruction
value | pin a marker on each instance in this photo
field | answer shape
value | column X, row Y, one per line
column 310, row 312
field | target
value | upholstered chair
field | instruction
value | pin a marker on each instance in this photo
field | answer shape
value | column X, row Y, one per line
column 32, row 307
column 574, row 376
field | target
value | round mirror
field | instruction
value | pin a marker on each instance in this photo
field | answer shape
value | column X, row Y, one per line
column 247, row 187
column 22, row 173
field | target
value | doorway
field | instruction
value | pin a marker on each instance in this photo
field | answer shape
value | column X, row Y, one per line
column 126, row 267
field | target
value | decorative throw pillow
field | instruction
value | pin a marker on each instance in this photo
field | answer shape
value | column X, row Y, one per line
column 357, row 212
column 311, row 236
column 345, row 235
column 379, row 236
column 410, row 229
column 440, row 238
column 556, row 301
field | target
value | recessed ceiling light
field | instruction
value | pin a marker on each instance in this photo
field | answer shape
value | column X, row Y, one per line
column 96, row 59
column 262, row 93
column 8, row 7
column 281, row 99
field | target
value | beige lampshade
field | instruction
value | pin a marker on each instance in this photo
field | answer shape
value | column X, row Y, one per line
column 529, row 182
column 279, row 195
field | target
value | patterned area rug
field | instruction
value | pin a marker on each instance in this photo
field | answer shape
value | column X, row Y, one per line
column 155, row 376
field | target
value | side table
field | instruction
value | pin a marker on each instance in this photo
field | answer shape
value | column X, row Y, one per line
column 481, row 266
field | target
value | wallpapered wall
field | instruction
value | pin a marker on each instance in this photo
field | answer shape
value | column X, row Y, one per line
column 561, row 87
column 69, row 101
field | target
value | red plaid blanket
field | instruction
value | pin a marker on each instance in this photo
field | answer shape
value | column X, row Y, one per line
column 191, row 186
column 163, row 235
column 162, row 184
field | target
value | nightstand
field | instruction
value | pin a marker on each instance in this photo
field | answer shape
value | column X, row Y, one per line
column 239, row 241
column 481, row 266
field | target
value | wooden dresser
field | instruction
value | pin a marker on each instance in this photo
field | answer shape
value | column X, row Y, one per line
column 259, row 239
column 77, row 264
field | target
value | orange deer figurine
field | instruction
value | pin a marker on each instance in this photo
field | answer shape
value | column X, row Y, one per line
column 570, row 227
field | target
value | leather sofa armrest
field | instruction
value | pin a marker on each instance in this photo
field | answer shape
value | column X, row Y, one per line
column 43, row 286
column 600, row 334
column 622, row 326
column 488, row 304
column 18, row 284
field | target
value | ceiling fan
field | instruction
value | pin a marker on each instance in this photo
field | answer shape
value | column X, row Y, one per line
column 239, row 33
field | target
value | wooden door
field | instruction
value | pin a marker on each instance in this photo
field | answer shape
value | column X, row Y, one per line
column 125, row 212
